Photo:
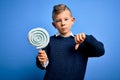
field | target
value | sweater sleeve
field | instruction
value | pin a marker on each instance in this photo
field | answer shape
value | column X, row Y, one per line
column 92, row 47
column 39, row 65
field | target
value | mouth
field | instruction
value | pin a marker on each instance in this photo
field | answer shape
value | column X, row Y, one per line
column 63, row 29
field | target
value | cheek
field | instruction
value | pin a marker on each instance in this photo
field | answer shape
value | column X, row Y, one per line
column 70, row 23
column 55, row 25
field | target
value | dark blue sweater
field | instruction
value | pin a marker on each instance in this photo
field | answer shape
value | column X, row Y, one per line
column 66, row 63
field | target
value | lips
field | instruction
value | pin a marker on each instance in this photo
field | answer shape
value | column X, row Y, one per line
column 63, row 29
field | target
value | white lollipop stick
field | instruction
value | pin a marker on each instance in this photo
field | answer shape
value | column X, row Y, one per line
column 38, row 37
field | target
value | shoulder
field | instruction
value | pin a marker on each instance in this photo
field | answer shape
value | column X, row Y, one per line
column 52, row 37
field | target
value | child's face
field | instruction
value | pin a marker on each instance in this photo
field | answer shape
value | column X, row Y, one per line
column 63, row 22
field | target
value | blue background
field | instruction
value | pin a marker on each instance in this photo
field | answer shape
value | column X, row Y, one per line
column 100, row 18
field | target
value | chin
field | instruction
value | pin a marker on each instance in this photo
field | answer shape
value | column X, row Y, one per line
column 64, row 33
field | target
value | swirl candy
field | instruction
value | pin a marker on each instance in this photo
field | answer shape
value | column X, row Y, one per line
column 38, row 37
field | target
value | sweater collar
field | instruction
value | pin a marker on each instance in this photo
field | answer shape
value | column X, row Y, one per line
column 58, row 34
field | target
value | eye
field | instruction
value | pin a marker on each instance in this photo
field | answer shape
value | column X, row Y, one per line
column 58, row 21
column 66, row 19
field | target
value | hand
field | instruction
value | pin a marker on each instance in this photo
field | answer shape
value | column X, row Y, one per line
column 79, row 38
column 42, row 56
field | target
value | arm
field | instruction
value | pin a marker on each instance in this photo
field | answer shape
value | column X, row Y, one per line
column 39, row 65
column 92, row 47
column 42, row 60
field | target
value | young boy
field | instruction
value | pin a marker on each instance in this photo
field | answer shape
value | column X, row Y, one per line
column 66, row 56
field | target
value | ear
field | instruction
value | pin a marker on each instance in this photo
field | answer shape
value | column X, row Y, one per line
column 73, row 19
column 53, row 24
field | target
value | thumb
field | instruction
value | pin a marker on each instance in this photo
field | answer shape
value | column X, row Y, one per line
column 76, row 46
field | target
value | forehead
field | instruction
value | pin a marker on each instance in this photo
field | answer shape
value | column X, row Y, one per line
column 65, row 13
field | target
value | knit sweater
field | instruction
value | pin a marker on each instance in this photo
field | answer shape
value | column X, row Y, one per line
column 66, row 63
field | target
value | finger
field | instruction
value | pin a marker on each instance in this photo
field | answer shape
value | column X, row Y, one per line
column 83, row 36
column 80, row 40
column 42, row 58
column 40, row 51
column 42, row 55
column 80, row 37
column 76, row 46
column 77, row 38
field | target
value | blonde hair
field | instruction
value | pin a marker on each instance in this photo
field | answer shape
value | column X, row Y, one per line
column 58, row 9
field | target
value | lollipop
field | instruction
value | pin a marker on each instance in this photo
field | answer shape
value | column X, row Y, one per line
column 38, row 37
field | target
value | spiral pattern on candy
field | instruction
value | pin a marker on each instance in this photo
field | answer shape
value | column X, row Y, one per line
column 38, row 37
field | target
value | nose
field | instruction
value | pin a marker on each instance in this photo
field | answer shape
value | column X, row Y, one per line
column 63, row 23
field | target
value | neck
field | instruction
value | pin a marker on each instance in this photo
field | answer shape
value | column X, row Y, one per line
column 66, row 35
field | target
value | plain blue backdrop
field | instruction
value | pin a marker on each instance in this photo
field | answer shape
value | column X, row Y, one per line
column 100, row 18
